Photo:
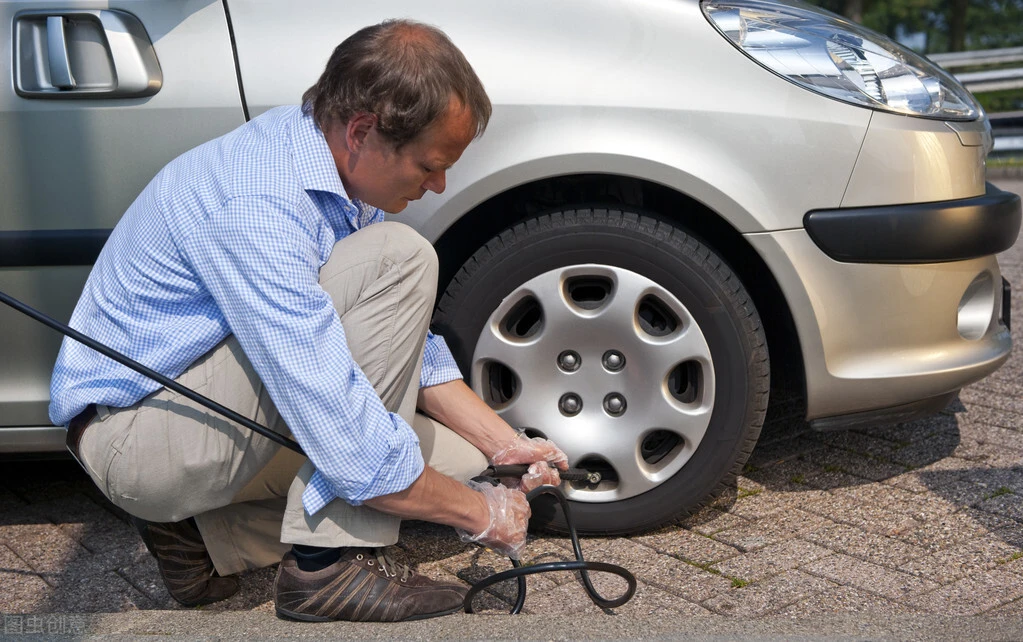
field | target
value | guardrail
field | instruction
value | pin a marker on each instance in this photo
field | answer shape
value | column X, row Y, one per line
column 990, row 80
column 1007, row 126
column 974, row 58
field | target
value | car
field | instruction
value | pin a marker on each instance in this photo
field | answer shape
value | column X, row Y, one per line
column 681, row 212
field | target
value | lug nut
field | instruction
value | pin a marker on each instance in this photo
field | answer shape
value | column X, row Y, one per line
column 569, row 361
column 570, row 404
column 614, row 404
column 613, row 360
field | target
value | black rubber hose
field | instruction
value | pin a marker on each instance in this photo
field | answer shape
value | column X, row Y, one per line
column 518, row 470
column 520, row 572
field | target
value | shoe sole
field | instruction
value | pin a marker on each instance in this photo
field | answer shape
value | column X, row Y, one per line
column 306, row 617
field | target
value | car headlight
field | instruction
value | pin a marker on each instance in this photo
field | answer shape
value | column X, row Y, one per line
column 827, row 54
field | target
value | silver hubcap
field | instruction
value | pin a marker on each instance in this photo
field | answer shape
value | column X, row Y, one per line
column 609, row 365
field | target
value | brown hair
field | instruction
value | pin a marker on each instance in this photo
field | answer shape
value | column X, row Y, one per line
column 404, row 73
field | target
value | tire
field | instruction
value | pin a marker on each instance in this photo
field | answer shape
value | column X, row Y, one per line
column 593, row 303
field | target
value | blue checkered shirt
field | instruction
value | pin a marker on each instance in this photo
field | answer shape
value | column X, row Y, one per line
column 229, row 238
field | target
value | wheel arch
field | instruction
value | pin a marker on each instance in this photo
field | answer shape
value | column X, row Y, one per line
column 487, row 219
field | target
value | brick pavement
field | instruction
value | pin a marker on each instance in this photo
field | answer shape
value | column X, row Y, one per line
column 916, row 518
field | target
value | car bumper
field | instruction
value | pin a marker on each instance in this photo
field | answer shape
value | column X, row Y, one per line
column 920, row 232
column 883, row 335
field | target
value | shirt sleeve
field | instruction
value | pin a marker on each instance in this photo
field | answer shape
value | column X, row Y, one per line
column 259, row 262
column 438, row 363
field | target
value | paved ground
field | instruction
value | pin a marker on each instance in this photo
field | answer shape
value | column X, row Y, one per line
column 906, row 526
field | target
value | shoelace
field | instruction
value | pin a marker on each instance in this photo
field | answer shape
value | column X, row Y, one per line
column 390, row 567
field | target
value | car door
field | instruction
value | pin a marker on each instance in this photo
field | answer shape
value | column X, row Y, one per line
column 98, row 100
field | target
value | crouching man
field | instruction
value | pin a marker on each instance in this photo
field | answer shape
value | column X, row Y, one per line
column 257, row 270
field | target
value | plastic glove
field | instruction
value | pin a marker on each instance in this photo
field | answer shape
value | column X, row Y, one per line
column 509, row 516
column 539, row 474
column 527, row 451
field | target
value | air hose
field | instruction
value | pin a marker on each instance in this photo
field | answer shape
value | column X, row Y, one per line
column 518, row 573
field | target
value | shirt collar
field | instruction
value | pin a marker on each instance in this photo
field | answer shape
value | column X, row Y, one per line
column 315, row 168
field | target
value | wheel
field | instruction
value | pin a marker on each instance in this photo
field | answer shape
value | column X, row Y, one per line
column 626, row 341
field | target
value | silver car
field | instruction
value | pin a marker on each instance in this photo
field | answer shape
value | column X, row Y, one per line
column 679, row 208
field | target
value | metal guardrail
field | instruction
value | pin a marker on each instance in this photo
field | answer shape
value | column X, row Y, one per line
column 991, row 80
column 1008, row 126
column 994, row 80
column 974, row 58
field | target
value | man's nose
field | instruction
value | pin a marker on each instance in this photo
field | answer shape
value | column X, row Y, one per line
column 436, row 182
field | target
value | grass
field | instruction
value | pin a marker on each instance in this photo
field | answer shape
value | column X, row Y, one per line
column 1002, row 490
column 748, row 492
column 798, row 479
column 1012, row 558
column 703, row 566
column 737, row 582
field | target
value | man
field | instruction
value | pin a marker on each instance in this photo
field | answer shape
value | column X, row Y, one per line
column 257, row 270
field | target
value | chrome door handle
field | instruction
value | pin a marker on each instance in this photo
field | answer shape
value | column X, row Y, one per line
column 55, row 55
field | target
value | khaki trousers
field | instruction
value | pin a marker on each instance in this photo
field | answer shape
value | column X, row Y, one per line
column 166, row 458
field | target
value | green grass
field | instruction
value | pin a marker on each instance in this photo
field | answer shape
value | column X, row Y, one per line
column 1002, row 490
column 704, row 566
column 738, row 582
column 748, row 492
column 1012, row 558
column 798, row 479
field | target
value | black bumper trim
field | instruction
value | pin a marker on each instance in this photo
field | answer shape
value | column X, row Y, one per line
column 37, row 248
column 1007, row 303
column 920, row 232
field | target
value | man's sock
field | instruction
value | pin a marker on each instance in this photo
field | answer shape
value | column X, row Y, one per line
column 314, row 558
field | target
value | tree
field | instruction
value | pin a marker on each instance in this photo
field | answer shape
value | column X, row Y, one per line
column 948, row 25
column 957, row 24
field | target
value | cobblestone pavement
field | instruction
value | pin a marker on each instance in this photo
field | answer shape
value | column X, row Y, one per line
column 917, row 518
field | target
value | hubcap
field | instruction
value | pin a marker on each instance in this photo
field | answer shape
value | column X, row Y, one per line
column 609, row 365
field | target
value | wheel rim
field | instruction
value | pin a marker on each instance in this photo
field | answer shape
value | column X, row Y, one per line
column 608, row 364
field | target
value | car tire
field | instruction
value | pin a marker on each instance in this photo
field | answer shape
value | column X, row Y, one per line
column 540, row 311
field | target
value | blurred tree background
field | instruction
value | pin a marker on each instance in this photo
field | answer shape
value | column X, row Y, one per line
column 939, row 26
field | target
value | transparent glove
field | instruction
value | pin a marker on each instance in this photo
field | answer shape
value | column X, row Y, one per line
column 527, row 451
column 539, row 474
column 509, row 516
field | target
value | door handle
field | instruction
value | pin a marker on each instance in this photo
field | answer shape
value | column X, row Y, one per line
column 56, row 47
column 83, row 54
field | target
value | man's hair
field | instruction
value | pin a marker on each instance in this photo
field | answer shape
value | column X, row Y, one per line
column 403, row 72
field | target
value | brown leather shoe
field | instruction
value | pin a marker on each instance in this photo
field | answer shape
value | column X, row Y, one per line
column 365, row 585
column 185, row 564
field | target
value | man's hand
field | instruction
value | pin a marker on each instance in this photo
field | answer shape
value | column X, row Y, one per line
column 540, row 453
column 457, row 407
column 539, row 474
column 509, row 517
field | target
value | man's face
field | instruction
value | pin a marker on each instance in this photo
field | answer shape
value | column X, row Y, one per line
column 378, row 175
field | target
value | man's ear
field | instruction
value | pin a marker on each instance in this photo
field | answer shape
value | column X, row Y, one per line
column 357, row 129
